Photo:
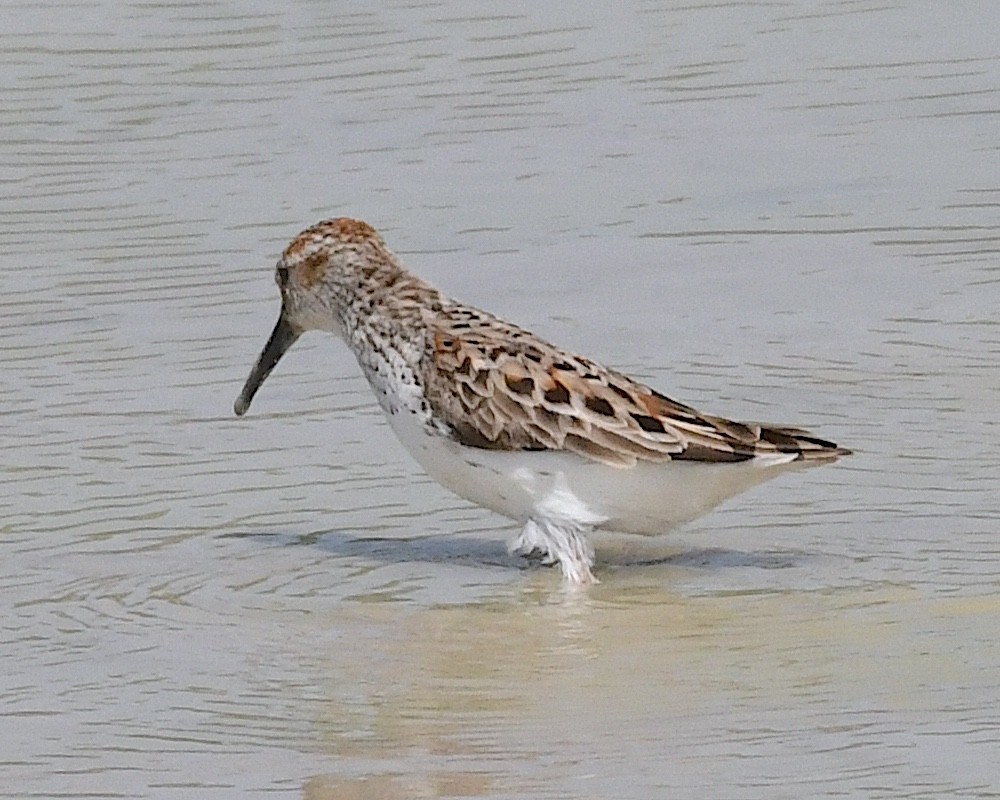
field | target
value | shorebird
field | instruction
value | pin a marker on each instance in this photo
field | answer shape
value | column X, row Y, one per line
column 503, row 418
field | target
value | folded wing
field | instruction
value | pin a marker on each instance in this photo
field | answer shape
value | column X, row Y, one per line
column 500, row 387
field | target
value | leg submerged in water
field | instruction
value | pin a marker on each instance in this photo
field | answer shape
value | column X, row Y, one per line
column 563, row 543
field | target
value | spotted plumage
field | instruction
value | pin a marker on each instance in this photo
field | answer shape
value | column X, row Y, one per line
column 504, row 418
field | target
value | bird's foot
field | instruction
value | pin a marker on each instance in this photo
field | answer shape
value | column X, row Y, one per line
column 560, row 543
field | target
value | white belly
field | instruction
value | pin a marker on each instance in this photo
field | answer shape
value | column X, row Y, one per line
column 648, row 498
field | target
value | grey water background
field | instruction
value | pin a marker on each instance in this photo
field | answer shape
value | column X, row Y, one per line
column 783, row 211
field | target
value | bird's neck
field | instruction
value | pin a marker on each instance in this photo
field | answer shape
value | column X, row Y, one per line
column 385, row 323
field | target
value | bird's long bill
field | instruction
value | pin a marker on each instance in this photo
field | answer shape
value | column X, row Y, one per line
column 282, row 337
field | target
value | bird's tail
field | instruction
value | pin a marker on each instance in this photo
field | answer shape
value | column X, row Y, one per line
column 804, row 445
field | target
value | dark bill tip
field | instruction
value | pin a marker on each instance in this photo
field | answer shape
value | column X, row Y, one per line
column 282, row 337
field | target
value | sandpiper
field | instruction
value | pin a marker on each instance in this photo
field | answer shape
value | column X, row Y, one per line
column 503, row 418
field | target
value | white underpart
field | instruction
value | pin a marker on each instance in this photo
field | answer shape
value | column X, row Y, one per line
column 558, row 496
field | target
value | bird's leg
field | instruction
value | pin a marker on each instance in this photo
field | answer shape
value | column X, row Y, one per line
column 562, row 542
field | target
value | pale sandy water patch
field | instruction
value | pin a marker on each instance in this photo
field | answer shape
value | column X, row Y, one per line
column 826, row 669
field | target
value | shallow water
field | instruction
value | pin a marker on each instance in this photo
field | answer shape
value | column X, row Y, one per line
column 773, row 211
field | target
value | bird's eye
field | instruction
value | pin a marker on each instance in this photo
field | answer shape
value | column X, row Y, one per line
column 281, row 276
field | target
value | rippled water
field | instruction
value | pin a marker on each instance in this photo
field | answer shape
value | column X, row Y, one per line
column 779, row 211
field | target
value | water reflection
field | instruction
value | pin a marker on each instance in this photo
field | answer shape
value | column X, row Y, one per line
column 693, row 680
